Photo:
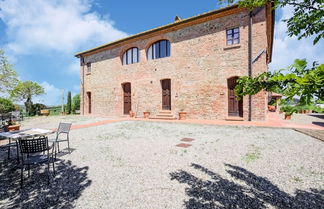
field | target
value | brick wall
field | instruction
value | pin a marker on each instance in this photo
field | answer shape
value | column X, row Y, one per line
column 199, row 66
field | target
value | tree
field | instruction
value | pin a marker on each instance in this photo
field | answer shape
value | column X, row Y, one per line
column 76, row 103
column 25, row 90
column 307, row 19
column 6, row 105
column 69, row 103
column 306, row 84
column 8, row 76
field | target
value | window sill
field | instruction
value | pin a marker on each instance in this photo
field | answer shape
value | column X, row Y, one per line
column 236, row 46
column 88, row 73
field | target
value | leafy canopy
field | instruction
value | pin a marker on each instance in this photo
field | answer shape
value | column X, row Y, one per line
column 8, row 76
column 6, row 105
column 25, row 90
column 307, row 18
column 306, row 84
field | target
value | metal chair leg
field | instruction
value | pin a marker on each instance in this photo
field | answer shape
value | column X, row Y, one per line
column 58, row 147
column 55, row 149
column 53, row 167
column 48, row 170
column 22, row 176
column 28, row 170
column 9, row 149
column 68, row 141
column 17, row 151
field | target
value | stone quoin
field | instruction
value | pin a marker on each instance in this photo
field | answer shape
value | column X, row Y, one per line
column 189, row 65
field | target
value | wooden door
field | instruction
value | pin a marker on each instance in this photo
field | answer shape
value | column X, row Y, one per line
column 127, row 98
column 166, row 94
column 89, row 102
column 235, row 108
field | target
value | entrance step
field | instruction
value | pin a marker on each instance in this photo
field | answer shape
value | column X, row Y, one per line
column 234, row 118
column 164, row 115
column 164, row 118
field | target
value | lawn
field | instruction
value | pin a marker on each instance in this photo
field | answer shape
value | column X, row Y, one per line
column 137, row 164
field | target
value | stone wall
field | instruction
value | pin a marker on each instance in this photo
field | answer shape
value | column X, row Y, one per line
column 199, row 66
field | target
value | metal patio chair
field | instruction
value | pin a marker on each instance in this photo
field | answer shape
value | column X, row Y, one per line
column 35, row 151
column 64, row 128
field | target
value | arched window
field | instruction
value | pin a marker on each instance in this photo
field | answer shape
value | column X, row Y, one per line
column 159, row 49
column 131, row 56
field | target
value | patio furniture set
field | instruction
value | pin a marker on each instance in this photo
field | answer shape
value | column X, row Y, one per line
column 33, row 147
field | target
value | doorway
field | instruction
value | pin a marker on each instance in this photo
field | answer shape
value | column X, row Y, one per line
column 127, row 98
column 166, row 94
column 235, row 108
column 89, row 102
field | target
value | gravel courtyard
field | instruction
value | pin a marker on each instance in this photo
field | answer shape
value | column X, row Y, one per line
column 136, row 164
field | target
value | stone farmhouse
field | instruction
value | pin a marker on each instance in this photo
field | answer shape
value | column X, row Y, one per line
column 189, row 65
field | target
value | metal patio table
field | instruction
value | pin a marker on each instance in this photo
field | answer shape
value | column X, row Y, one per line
column 21, row 134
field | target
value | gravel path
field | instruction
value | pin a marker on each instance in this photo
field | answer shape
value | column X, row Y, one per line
column 53, row 121
column 313, row 118
column 136, row 164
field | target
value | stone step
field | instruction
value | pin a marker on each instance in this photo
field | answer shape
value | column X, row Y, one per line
column 165, row 112
column 164, row 118
column 231, row 118
column 164, row 115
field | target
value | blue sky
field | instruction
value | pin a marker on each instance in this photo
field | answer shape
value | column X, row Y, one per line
column 40, row 37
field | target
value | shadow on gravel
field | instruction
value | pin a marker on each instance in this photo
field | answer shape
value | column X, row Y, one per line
column 256, row 192
column 67, row 186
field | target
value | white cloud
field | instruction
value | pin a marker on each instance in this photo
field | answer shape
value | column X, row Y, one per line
column 286, row 49
column 54, row 25
column 52, row 96
column 74, row 67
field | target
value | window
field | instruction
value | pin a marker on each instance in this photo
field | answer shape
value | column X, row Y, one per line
column 159, row 49
column 89, row 67
column 131, row 56
column 233, row 36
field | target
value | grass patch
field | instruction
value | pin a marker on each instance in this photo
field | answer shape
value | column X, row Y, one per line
column 253, row 155
column 297, row 179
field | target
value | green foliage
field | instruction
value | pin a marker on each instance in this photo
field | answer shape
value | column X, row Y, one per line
column 69, row 103
column 8, row 76
column 6, row 105
column 37, row 108
column 25, row 90
column 55, row 110
column 305, row 84
column 272, row 102
column 288, row 110
column 307, row 18
column 76, row 103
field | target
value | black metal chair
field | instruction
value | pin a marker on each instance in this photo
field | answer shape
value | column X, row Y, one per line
column 35, row 151
column 64, row 128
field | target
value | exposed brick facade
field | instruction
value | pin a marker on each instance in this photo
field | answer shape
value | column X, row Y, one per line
column 199, row 66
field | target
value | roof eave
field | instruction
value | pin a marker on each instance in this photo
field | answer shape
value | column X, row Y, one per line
column 79, row 54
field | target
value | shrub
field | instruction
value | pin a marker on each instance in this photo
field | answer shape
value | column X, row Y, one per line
column 6, row 105
column 69, row 103
column 76, row 103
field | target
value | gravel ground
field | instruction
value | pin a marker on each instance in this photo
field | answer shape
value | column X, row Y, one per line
column 313, row 118
column 136, row 164
column 53, row 121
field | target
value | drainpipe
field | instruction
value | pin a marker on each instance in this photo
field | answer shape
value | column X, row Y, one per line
column 250, row 61
column 82, row 82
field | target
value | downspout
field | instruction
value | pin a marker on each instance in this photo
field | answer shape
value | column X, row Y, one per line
column 82, row 83
column 250, row 61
